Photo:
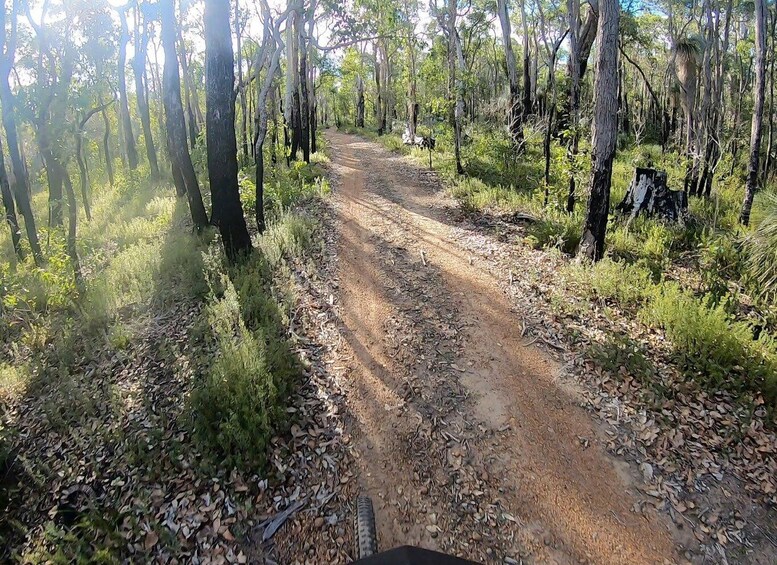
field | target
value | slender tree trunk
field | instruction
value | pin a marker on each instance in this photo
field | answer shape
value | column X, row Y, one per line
column 359, row 102
column 72, row 207
column 139, row 69
column 304, row 103
column 514, row 110
column 605, row 130
column 175, row 121
column 758, row 109
column 587, row 36
column 129, row 139
column 82, row 175
column 527, row 89
column 10, row 209
column 106, row 146
column 770, row 144
column 573, row 7
column 242, row 90
column 220, row 131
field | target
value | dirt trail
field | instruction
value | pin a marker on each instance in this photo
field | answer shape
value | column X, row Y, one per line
column 468, row 438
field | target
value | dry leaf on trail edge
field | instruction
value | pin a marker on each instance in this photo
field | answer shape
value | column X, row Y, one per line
column 151, row 539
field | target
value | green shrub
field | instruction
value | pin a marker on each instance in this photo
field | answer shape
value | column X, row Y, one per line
column 239, row 405
column 627, row 284
column 761, row 249
column 711, row 346
column 556, row 230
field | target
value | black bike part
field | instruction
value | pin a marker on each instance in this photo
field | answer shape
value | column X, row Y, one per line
column 364, row 528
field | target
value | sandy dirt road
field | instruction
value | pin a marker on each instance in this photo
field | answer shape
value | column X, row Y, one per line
column 467, row 437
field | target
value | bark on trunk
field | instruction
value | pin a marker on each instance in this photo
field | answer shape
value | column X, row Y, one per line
column 359, row 102
column 106, row 146
column 139, row 69
column 758, row 109
column 175, row 122
column 10, row 209
column 527, row 89
column 20, row 185
column 220, row 131
column 605, row 129
column 82, row 175
column 304, row 103
column 72, row 248
column 514, row 109
column 573, row 7
column 129, row 139
column 648, row 194
column 242, row 87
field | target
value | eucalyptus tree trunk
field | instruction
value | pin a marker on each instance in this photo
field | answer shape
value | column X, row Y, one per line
column 412, row 83
column 770, row 144
column 359, row 101
column 180, row 159
column 587, row 36
column 527, row 89
column 220, row 131
column 72, row 248
column 241, row 87
column 191, row 97
column 514, row 110
column 129, row 139
column 605, row 130
column 272, row 47
column 302, row 81
column 292, row 101
column 82, row 173
column 20, row 184
column 751, row 185
column 458, row 82
column 10, row 209
column 456, row 69
column 139, row 70
column 573, row 7
column 106, row 146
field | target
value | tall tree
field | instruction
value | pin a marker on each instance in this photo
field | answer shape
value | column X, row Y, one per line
column 605, row 130
column 139, row 70
column 758, row 110
column 573, row 9
column 220, row 131
column 126, row 122
column 20, row 183
column 514, row 110
column 180, row 160
column 271, row 49
column 10, row 209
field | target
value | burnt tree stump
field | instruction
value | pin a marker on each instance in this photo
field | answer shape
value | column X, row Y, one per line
column 648, row 194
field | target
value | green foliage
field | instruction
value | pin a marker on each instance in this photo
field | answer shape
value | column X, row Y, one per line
column 620, row 355
column 761, row 248
column 239, row 405
column 712, row 347
column 626, row 284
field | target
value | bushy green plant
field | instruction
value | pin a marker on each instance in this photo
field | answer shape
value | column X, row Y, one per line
column 627, row 284
column 761, row 248
column 239, row 405
column 713, row 347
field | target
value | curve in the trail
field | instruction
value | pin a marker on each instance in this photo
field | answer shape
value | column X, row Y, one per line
column 467, row 438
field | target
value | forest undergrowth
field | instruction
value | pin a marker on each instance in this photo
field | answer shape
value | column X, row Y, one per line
column 171, row 367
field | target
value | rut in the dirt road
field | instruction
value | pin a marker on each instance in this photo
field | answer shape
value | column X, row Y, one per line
column 467, row 439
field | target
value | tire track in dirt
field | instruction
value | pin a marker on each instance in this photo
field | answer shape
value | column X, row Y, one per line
column 467, row 438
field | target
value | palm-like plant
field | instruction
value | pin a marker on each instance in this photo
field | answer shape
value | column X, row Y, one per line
column 687, row 55
column 761, row 247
